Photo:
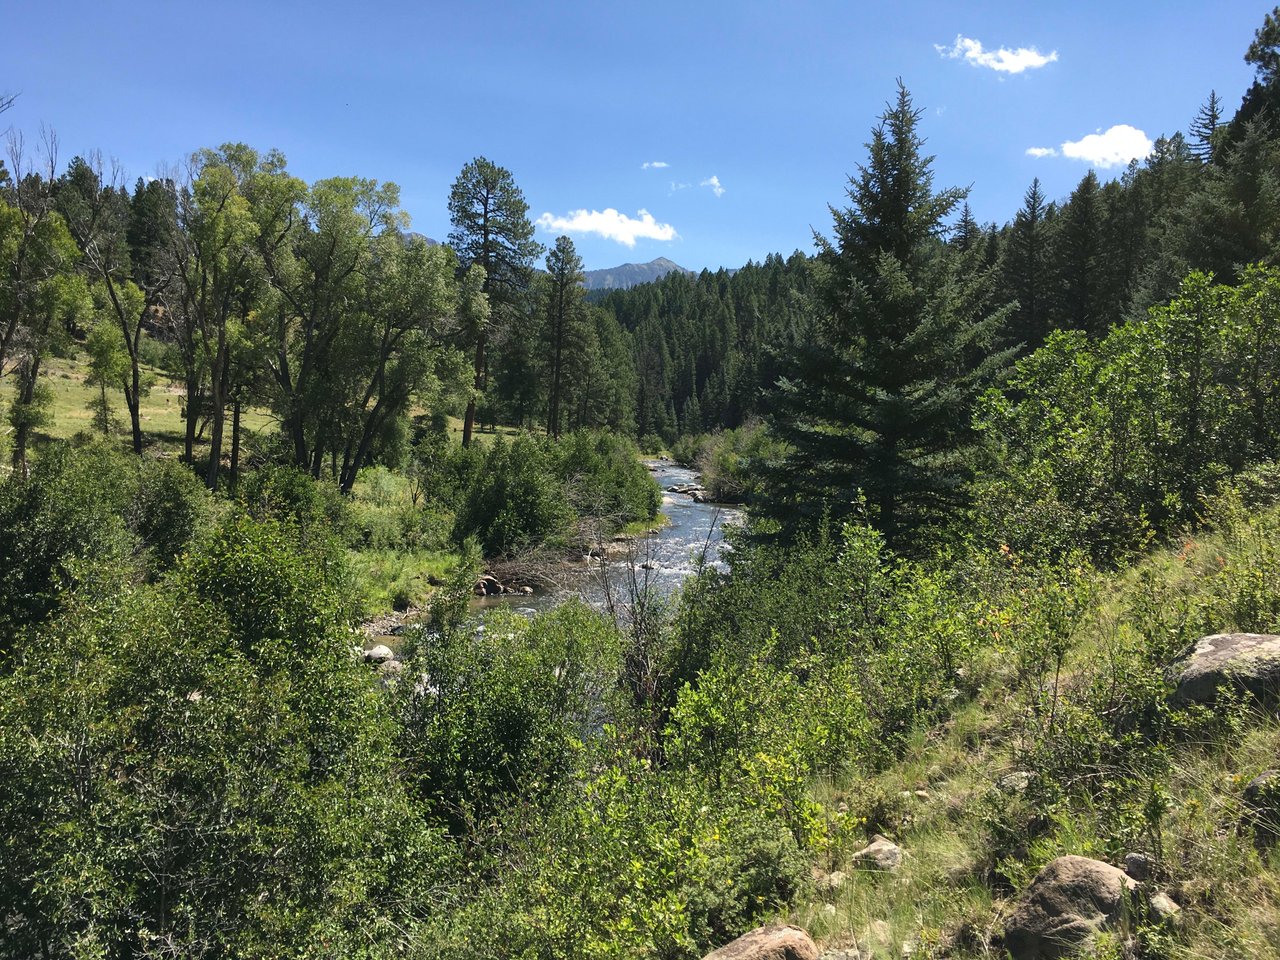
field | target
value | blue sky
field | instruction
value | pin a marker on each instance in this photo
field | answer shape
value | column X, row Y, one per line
column 759, row 111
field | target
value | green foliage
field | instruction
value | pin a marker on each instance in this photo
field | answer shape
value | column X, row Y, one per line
column 171, row 508
column 728, row 460
column 202, row 767
column 63, row 512
column 502, row 710
column 875, row 404
column 1093, row 444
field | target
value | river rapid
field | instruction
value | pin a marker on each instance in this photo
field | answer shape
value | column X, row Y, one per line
column 654, row 566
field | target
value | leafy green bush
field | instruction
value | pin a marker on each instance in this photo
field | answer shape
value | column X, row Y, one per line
column 516, row 502
column 72, row 507
column 202, row 768
column 171, row 507
column 605, row 478
column 502, row 710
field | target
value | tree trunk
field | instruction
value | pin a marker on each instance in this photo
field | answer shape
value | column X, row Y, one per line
column 235, row 443
column 26, row 395
column 468, row 424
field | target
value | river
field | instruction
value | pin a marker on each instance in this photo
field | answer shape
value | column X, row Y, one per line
column 656, row 564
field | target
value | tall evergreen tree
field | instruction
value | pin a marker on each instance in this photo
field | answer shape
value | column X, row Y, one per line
column 1079, row 259
column 564, row 307
column 491, row 228
column 876, row 402
column 1026, row 270
column 1204, row 128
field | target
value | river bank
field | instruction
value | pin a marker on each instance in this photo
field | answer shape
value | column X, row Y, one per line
column 652, row 560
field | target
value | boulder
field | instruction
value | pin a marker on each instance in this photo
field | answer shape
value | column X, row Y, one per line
column 378, row 654
column 1262, row 798
column 1016, row 782
column 880, row 854
column 1162, row 908
column 1138, row 866
column 1246, row 662
column 773, row 942
column 1070, row 901
column 831, row 882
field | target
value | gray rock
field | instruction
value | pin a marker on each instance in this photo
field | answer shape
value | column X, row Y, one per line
column 1070, row 901
column 772, row 942
column 1246, row 662
column 1262, row 798
column 880, row 854
column 378, row 654
column 1262, row 794
column 1016, row 782
column 1138, row 866
column 1162, row 907
column 831, row 882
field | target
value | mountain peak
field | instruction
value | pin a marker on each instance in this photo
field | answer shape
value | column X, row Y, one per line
column 631, row 274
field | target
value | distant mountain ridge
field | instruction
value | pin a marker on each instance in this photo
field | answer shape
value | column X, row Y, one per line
column 631, row 274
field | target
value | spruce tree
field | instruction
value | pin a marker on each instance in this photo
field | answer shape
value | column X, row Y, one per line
column 874, row 403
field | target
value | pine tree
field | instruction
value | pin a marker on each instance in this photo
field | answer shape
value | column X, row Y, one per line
column 491, row 228
column 564, row 309
column 1026, row 270
column 1204, row 129
column 1079, row 261
column 875, row 404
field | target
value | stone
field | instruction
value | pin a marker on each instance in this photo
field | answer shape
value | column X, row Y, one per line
column 771, row 942
column 378, row 654
column 880, row 854
column 1247, row 662
column 1262, row 794
column 1016, row 782
column 1138, row 866
column 1262, row 798
column 1162, row 907
column 831, row 882
column 1068, row 903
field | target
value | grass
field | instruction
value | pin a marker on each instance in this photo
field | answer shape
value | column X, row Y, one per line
column 161, row 410
column 954, row 890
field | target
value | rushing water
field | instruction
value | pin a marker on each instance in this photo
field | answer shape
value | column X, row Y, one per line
column 657, row 564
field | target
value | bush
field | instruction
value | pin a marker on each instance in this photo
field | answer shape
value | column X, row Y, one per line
column 516, row 502
column 72, row 508
column 201, row 768
column 506, row 708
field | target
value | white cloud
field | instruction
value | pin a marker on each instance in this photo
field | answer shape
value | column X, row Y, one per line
column 1112, row 148
column 1003, row 60
column 714, row 183
column 679, row 186
column 610, row 224
column 654, row 165
column 1038, row 152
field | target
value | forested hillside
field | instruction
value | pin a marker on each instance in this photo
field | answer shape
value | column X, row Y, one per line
column 989, row 669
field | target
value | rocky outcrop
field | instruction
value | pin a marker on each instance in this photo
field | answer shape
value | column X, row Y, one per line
column 772, row 942
column 378, row 654
column 1070, row 901
column 1245, row 662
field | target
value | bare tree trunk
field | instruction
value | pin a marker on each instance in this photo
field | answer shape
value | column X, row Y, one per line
column 235, row 443
column 468, row 424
